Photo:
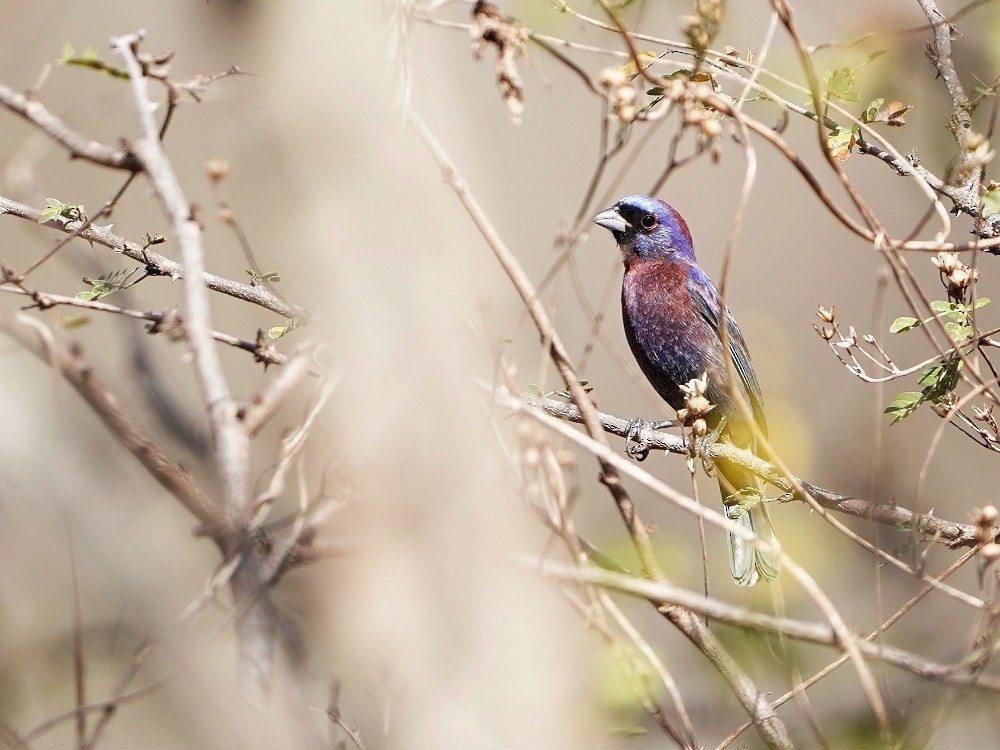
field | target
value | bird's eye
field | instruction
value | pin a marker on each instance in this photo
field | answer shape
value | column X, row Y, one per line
column 649, row 222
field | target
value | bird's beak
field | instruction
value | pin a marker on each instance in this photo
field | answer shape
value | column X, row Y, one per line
column 612, row 220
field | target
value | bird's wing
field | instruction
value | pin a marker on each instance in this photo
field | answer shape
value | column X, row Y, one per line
column 706, row 299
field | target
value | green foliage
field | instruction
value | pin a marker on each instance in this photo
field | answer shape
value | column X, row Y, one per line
column 56, row 209
column 991, row 198
column 939, row 380
column 259, row 278
column 278, row 331
column 107, row 284
column 840, row 83
column 89, row 59
column 625, row 683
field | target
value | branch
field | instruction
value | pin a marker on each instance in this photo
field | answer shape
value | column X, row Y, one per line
column 936, row 529
column 156, row 264
column 818, row 633
column 79, row 146
column 231, row 440
column 37, row 339
column 166, row 322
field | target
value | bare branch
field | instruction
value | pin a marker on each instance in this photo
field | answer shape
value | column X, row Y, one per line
column 37, row 339
column 231, row 440
column 818, row 633
column 79, row 146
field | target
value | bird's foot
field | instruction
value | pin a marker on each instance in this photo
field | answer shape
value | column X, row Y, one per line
column 636, row 446
column 701, row 447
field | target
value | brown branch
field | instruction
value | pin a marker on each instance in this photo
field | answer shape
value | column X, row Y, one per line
column 268, row 401
column 156, row 264
column 935, row 529
column 822, row 634
column 37, row 339
column 939, row 52
column 166, row 322
column 79, row 146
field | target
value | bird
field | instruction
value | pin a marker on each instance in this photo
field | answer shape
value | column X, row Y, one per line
column 673, row 317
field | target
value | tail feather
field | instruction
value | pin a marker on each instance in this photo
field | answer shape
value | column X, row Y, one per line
column 748, row 563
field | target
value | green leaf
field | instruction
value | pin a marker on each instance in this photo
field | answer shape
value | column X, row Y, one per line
column 53, row 210
column 991, row 202
column 903, row 405
column 278, row 331
column 941, row 306
column 980, row 302
column 106, row 284
column 903, row 324
column 871, row 111
column 958, row 332
column 841, row 141
column 535, row 391
column 840, row 85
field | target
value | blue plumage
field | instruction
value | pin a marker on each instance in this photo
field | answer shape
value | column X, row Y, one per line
column 673, row 317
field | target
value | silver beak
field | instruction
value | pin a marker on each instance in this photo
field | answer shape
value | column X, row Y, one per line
column 612, row 220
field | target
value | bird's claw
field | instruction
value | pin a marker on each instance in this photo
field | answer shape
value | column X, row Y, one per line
column 636, row 446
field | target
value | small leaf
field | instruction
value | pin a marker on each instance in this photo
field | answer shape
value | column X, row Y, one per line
column 840, row 142
column 991, row 199
column 535, row 390
column 871, row 111
column 941, row 306
column 646, row 59
column 903, row 405
column 278, row 331
column 53, row 210
column 894, row 114
column 69, row 322
column 959, row 333
column 980, row 302
column 903, row 324
column 840, row 85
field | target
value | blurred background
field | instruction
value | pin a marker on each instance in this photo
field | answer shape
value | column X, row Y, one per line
column 437, row 635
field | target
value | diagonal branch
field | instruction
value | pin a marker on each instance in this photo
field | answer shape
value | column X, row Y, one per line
column 79, row 146
column 37, row 339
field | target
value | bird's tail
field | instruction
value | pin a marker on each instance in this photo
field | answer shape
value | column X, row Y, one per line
column 748, row 562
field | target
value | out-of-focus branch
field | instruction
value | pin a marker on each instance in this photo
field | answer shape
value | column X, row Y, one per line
column 36, row 338
column 166, row 322
column 817, row 633
column 79, row 146
column 265, row 404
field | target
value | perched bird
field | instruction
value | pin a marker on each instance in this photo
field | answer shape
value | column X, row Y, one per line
column 673, row 318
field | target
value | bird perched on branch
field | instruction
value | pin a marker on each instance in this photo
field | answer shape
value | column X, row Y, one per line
column 679, row 333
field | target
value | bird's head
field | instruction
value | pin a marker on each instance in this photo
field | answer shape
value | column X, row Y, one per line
column 647, row 228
